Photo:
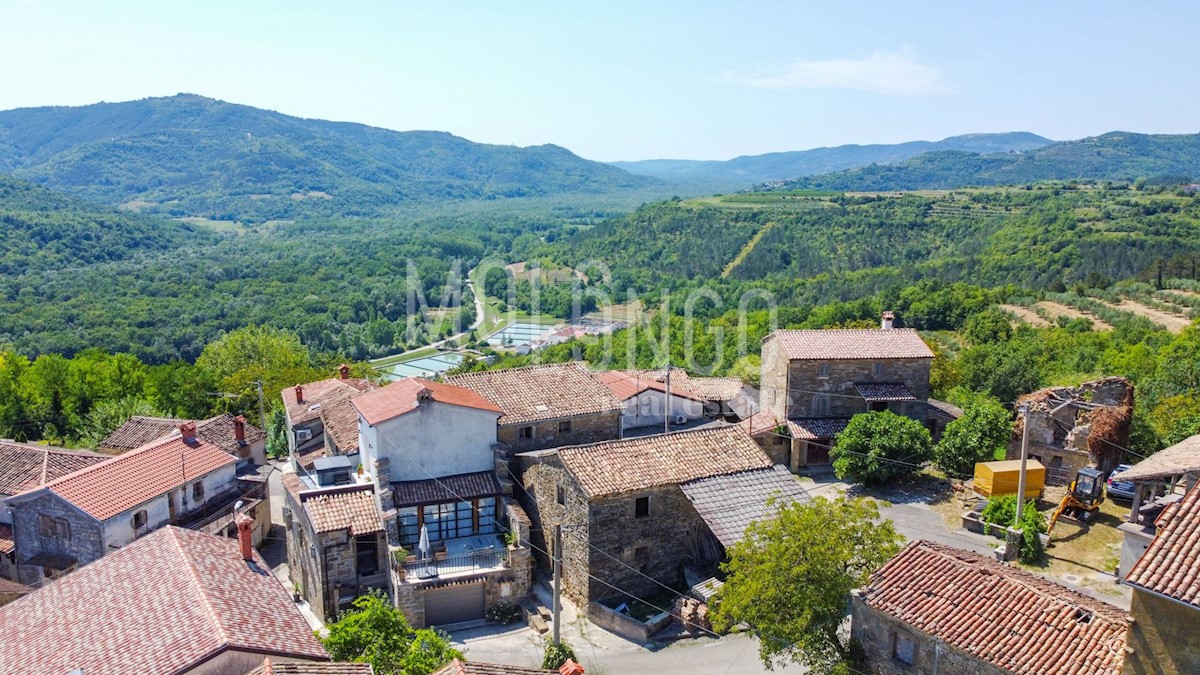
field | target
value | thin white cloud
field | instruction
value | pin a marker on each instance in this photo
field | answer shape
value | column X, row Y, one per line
column 895, row 73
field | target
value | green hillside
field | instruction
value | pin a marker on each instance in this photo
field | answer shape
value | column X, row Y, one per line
column 195, row 156
column 1113, row 156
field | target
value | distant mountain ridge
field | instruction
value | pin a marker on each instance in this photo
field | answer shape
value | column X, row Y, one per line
column 1117, row 155
column 196, row 156
column 753, row 169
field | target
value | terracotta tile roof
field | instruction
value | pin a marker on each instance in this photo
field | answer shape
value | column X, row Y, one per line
column 1181, row 458
column 457, row 667
column 613, row 467
column 729, row 503
column 817, row 428
column 943, row 409
column 25, row 466
column 170, row 600
column 404, row 396
column 292, row 483
column 1171, row 564
column 120, row 483
column 624, row 386
column 346, row 508
column 851, row 343
column 270, row 667
column 884, row 391
column 448, row 489
column 341, row 421
column 760, row 424
column 544, row 392
column 139, row 431
column 7, row 586
column 710, row 388
column 6, row 538
column 1000, row 614
column 314, row 395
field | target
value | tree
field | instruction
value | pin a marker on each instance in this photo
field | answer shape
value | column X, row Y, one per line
column 991, row 325
column 983, row 429
column 879, row 446
column 789, row 579
column 107, row 415
column 375, row 632
column 247, row 355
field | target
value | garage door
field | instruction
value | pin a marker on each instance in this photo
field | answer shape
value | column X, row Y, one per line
column 453, row 604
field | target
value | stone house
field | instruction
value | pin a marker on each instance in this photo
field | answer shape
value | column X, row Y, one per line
column 1166, row 595
column 310, row 406
column 24, row 466
column 337, row 548
column 1159, row 481
column 547, row 406
column 1069, row 428
column 638, row 510
column 647, row 402
column 938, row 610
column 724, row 398
column 428, row 453
column 232, row 434
column 771, row 434
column 174, row 601
column 816, row 380
column 85, row 515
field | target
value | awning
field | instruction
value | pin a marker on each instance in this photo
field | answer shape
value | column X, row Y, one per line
column 817, row 428
column 462, row 487
column 884, row 391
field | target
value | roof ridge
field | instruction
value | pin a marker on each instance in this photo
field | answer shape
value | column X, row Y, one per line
column 194, row 577
column 45, row 467
column 116, row 458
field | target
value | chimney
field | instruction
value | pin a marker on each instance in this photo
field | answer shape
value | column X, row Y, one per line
column 299, row 393
column 570, row 668
column 888, row 319
column 239, row 429
column 188, row 431
column 344, row 371
column 244, row 524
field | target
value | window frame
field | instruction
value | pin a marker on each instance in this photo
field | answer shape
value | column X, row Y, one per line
column 639, row 512
column 564, row 426
column 877, row 369
column 145, row 519
column 823, row 371
column 198, row 491
column 896, row 652
column 525, row 432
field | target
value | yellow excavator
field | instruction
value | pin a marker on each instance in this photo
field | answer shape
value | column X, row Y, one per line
column 1083, row 499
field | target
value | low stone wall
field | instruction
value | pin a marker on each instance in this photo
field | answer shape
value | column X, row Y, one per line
column 626, row 626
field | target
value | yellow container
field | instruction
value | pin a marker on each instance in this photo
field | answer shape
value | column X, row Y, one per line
column 1003, row 478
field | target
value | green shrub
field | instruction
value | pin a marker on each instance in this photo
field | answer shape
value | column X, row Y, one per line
column 879, row 446
column 1002, row 511
column 557, row 654
column 503, row 613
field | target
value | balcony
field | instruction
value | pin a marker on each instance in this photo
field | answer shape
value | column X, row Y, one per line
column 463, row 556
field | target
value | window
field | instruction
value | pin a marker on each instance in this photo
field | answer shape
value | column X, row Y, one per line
column 45, row 526
column 62, row 529
column 139, row 519
column 641, row 507
column 903, row 649
column 465, row 515
column 564, row 427
column 198, row 491
column 878, row 369
column 823, row 370
column 820, row 404
column 410, row 531
column 525, row 432
column 487, row 515
column 1056, row 462
column 776, row 439
column 560, row 495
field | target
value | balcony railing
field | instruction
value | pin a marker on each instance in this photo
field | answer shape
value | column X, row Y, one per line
column 472, row 561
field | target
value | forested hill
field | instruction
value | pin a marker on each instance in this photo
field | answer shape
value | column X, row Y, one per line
column 742, row 172
column 1113, row 156
column 41, row 229
column 188, row 155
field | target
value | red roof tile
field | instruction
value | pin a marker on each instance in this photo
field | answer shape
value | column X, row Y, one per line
column 315, row 393
column 348, row 508
column 170, row 600
column 404, row 396
column 7, row 586
column 613, row 467
column 458, row 667
column 138, row 431
column 544, row 392
column 1000, row 614
column 341, row 421
column 24, row 466
column 270, row 667
column 624, row 385
column 120, row 483
column 1171, row 564
column 851, row 343
column 6, row 539
column 760, row 424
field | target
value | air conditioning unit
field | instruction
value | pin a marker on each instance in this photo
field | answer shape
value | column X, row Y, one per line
column 681, row 419
column 303, row 435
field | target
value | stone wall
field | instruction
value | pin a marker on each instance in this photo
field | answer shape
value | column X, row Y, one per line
column 1163, row 637
column 546, row 434
column 773, row 379
column 540, row 475
column 877, row 632
column 805, row 384
column 85, row 542
column 778, row 448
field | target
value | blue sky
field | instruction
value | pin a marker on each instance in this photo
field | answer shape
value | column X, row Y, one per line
column 630, row 80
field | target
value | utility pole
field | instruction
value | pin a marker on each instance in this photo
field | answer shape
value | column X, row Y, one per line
column 262, row 415
column 557, row 581
column 1025, row 409
column 667, row 417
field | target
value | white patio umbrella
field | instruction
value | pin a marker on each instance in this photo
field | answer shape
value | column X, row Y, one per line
column 423, row 543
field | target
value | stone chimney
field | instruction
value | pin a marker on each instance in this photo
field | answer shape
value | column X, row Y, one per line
column 570, row 668
column 344, row 371
column 187, row 430
column 888, row 320
column 299, row 393
column 244, row 524
column 239, row 429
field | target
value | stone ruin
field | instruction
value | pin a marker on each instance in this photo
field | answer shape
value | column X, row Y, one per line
column 1071, row 427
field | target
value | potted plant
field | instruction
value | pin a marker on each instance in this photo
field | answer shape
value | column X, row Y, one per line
column 360, row 469
column 296, row 593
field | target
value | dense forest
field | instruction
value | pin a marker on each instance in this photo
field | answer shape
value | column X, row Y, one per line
column 1117, row 155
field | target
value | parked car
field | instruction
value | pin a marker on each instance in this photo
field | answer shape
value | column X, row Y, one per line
column 1120, row 490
